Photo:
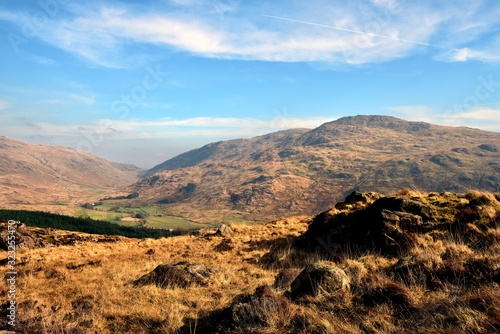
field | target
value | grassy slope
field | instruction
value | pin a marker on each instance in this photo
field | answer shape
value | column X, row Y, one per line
column 99, row 299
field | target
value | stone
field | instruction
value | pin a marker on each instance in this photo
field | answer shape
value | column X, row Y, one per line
column 318, row 278
column 257, row 309
column 224, row 231
column 181, row 274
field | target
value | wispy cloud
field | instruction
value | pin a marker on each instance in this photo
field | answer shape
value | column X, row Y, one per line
column 483, row 118
column 322, row 31
column 358, row 32
column 215, row 127
column 44, row 60
column 484, row 114
column 88, row 100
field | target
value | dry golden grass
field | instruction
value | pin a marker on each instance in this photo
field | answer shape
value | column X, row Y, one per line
column 448, row 282
column 98, row 297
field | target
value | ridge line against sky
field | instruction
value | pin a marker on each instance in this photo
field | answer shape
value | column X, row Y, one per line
column 160, row 77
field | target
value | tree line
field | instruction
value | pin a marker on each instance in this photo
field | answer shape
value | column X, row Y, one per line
column 86, row 225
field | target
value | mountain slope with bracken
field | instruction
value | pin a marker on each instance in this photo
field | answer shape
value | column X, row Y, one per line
column 306, row 171
column 38, row 174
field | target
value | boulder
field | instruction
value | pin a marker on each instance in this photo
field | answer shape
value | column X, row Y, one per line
column 224, row 231
column 257, row 309
column 318, row 278
column 181, row 274
column 263, row 308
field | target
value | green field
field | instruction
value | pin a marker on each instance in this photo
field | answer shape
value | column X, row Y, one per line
column 122, row 213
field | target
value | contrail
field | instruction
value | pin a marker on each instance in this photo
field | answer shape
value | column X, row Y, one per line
column 358, row 32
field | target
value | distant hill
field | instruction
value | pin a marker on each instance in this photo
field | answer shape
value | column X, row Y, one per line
column 32, row 174
column 304, row 171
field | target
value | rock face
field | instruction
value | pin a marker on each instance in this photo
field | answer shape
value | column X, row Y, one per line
column 387, row 225
column 181, row 274
column 317, row 278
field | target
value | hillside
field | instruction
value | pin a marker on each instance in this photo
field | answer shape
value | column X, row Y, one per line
column 39, row 175
column 306, row 171
column 405, row 263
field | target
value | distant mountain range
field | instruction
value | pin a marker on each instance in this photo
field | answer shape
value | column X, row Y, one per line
column 292, row 172
column 39, row 174
column 304, row 171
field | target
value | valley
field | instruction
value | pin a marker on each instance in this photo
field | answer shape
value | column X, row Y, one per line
column 281, row 174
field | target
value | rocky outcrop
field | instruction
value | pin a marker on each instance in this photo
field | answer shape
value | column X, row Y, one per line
column 387, row 224
column 23, row 237
column 34, row 237
column 357, row 197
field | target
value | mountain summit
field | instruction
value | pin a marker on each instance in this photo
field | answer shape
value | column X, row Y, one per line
column 306, row 171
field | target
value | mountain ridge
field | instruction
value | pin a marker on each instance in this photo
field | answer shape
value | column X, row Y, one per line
column 38, row 174
column 306, row 171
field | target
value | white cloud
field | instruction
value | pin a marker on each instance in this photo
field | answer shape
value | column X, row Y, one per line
column 466, row 54
column 66, row 98
column 462, row 54
column 484, row 114
column 319, row 30
column 54, row 101
column 482, row 118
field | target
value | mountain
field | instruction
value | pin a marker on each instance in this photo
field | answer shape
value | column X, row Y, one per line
column 39, row 174
column 304, row 171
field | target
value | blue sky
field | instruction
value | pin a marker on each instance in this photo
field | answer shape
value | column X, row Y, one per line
column 140, row 82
